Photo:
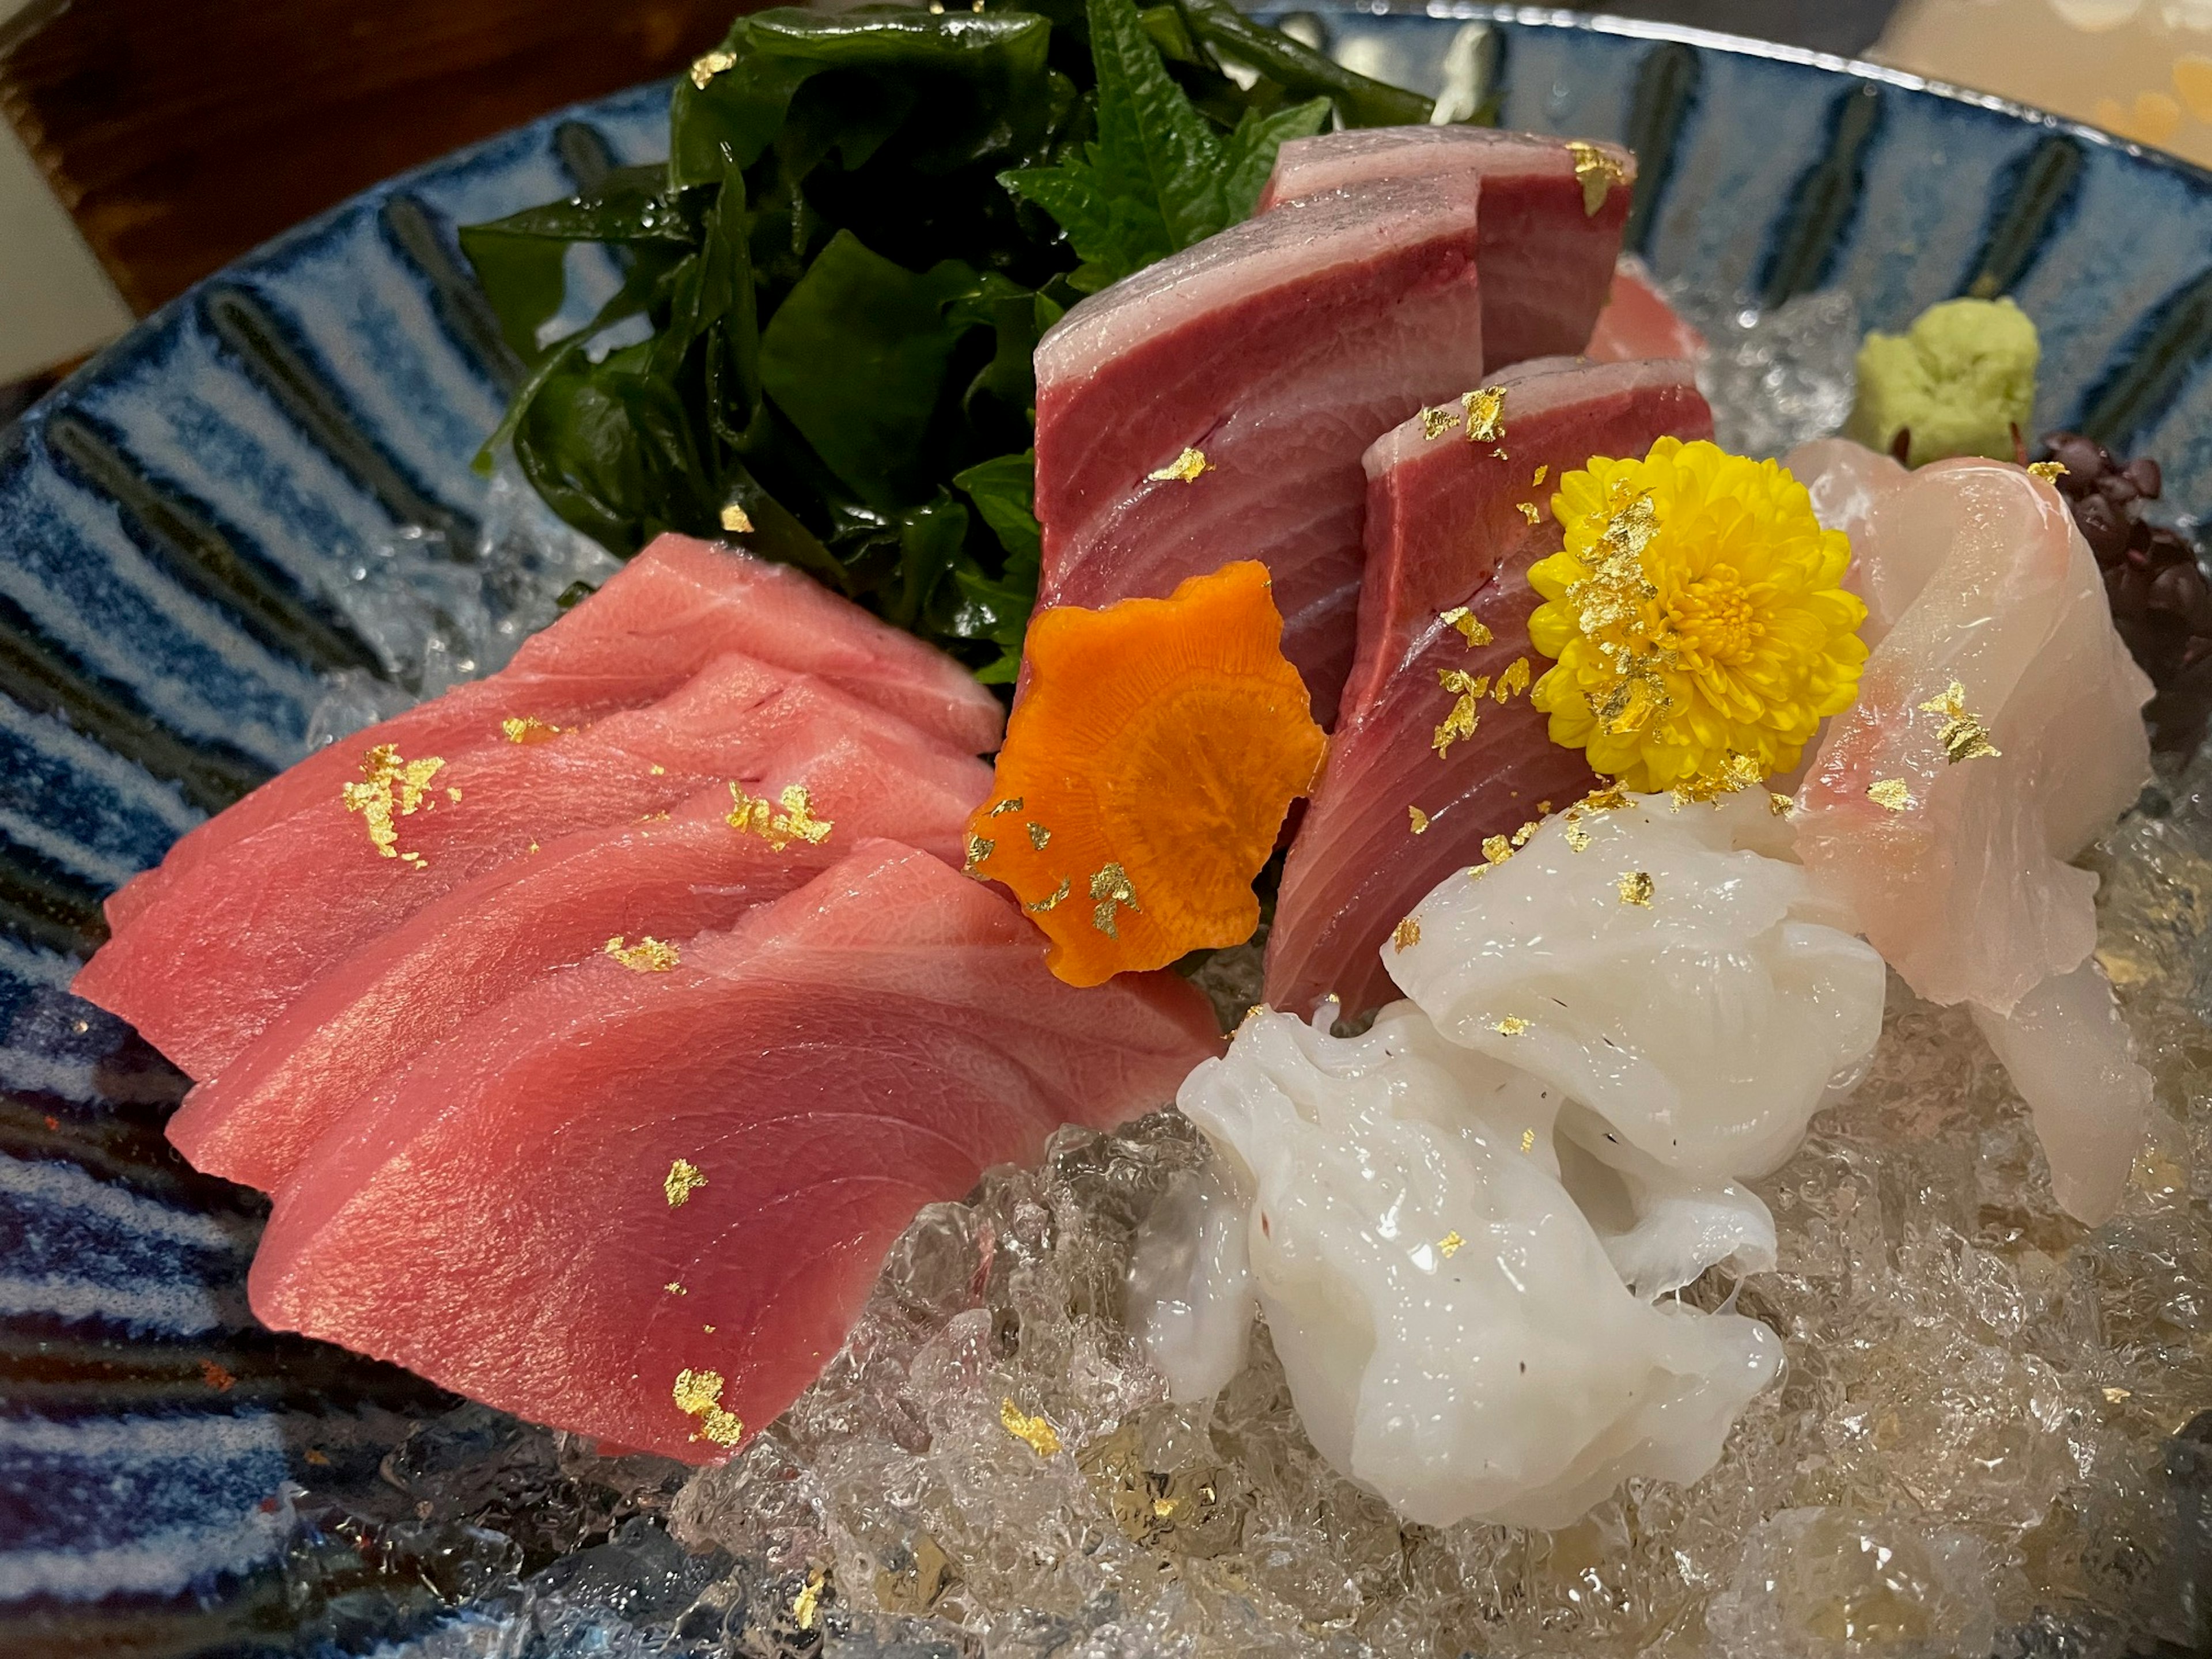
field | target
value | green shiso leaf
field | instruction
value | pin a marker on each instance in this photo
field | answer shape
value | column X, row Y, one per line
column 830, row 295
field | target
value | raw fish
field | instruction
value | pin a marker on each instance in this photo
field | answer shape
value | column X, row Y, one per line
column 1962, row 881
column 237, row 938
column 1702, row 997
column 1445, row 529
column 1847, row 481
column 488, row 938
column 1191, row 1300
column 1456, row 1338
column 1637, row 322
column 1546, row 259
column 2069, row 1054
column 615, row 1178
column 1277, row 349
column 660, row 619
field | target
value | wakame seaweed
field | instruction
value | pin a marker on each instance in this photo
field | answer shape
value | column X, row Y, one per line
column 830, row 294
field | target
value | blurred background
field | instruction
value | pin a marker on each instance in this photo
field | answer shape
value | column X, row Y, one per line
column 149, row 142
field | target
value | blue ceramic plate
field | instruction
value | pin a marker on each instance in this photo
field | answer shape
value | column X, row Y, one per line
column 208, row 520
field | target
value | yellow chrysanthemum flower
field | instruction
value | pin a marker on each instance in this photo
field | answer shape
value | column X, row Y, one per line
column 1696, row 618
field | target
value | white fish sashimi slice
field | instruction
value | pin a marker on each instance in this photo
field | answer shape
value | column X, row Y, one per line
column 2071, row 1055
column 1956, row 870
column 1697, row 995
column 1454, row 1333
column 1660, row 1228
column 1847, row 482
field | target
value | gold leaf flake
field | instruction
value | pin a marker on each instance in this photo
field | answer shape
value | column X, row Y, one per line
column 697, row 1391
column 675, row 1287
column 1635, row 887
column 528, row 728
column 657, row 770
column 1527, row 1140
column 1513, row 681
column 723, row 1428
column 452, row 794
column 1485, row 414
column 1450, row 1244
column 1520, row 836
column 979, row 849
column 648, row 955
column 1110, row 887
column 1496, row 850
column 1039, row 1435
column 1780, row 805
column 1184, row 469
column 1499, row 455
column 704, row 69
column 1466, row 711
column 1597, row 173
column 389, row 788
column 735, row 521
column 1577, row 838
column 1435, row 422
column 2115, row 1396
column 1051, row 900
column 806, row 1606
column 1543, row 809
column 1736, row 772
column 683, row 1180
column 1606, row 797
column 1528, row 511
column 1892, row 794
column 1039, row 837
column 1406, row 934
column 1417, row 821
column 1512, row 1025
column 796, row 822
column 533, row 845
column 2049, row 471
column 1542, row 472
column 1011, row 804
column 1964, row 736
column 1470, row 626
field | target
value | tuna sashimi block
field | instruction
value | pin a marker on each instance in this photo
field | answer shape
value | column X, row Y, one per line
column 1552, row 217
column 487, row 938
column 649, row 1206
column 1277, row 350
column 237, row 937
column 1450, row 544
column 1637, row 322
column 1945, row 819
column 658, row 620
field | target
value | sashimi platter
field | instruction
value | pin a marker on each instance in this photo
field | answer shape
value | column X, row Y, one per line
column 1220, row 936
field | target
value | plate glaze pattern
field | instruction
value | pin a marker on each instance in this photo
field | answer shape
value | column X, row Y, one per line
column 179, row 522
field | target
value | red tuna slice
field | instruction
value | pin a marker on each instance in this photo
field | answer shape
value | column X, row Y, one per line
column 463, row 952
column 236, row 940
column 512, row 1218
column 1445, row 529
column 1546, row 260
column 1637, row 322
column 658, row 620
column 1280, row 349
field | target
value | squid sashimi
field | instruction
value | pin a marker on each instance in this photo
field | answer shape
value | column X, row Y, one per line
column 1456, row 1334
column 647, row 1205
column 1552, row 217
column 1637, row 322
column 488, row 938
column 660, row 619
column 1449, row 531
column 234, row 940
column 1655, row 963
column 1946, row 821
column 1998, row 731
column 1213, row 407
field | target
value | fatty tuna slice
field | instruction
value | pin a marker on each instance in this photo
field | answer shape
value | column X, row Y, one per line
column 1446, row 529
column 1546, row 258
column 616, row 1178
column 658, row 620
column 488, row 938
column 1637, row 322
column 234, row 940
column 1277, row 350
